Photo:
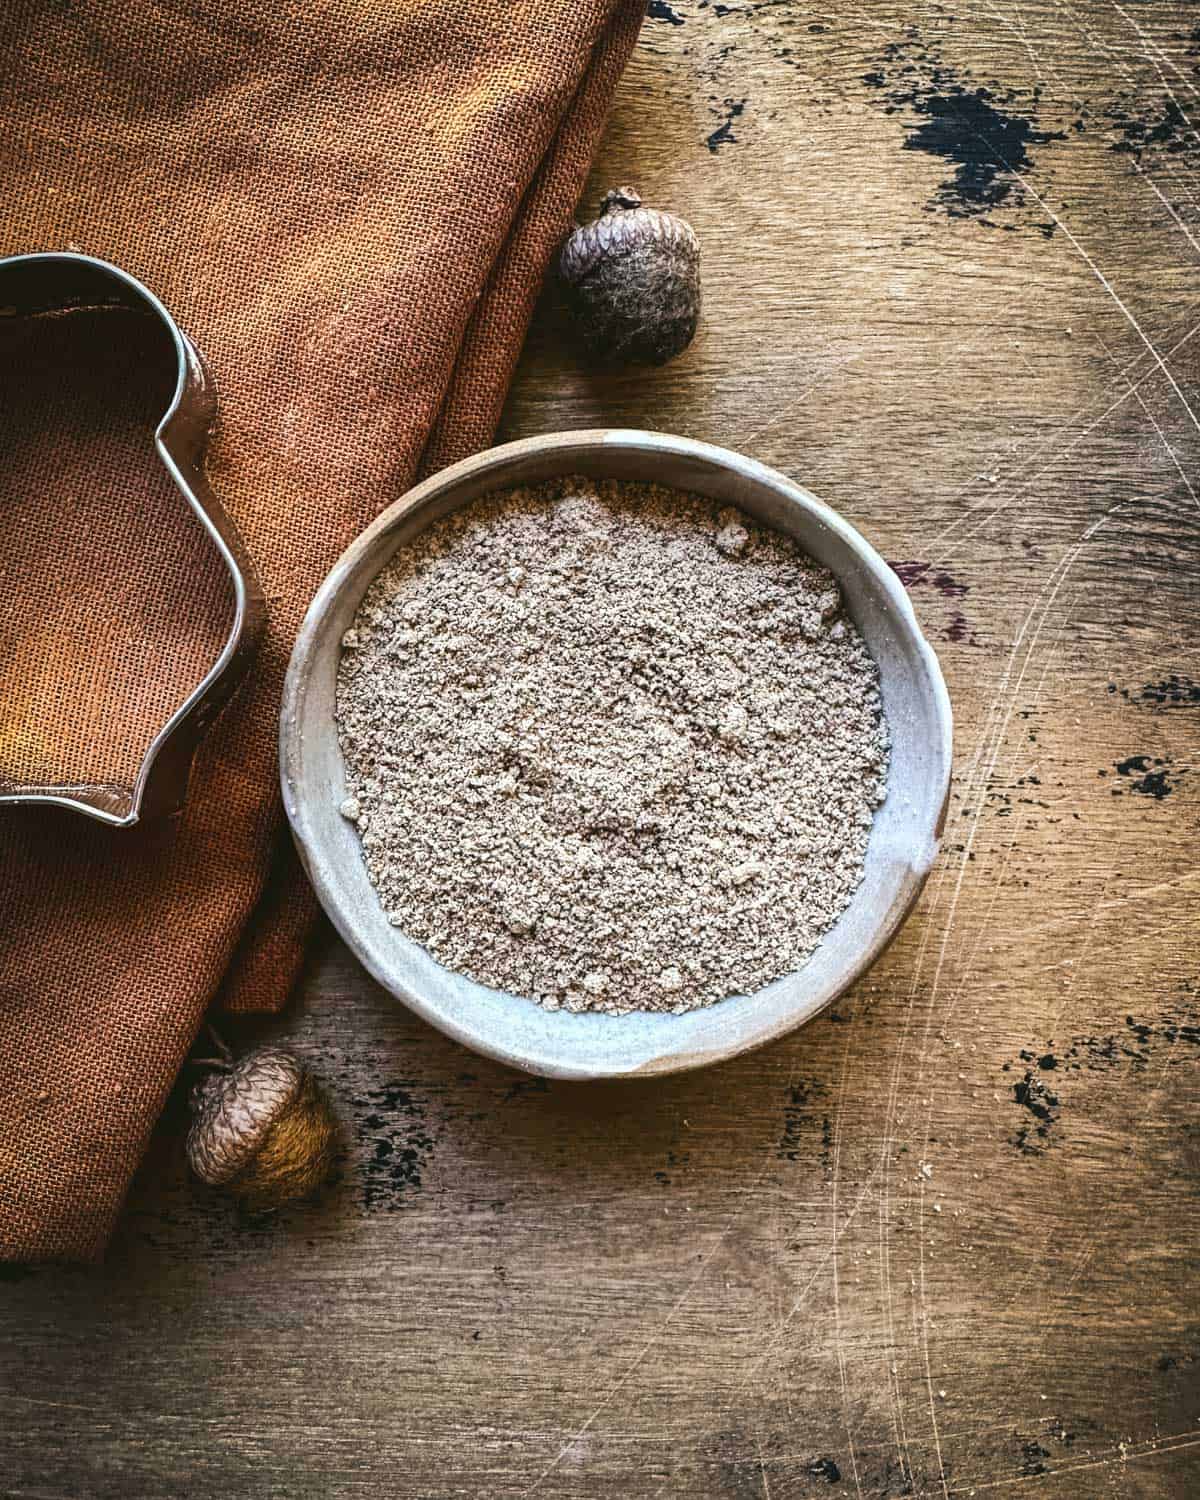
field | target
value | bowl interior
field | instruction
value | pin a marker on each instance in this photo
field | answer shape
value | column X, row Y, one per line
column 904, row 836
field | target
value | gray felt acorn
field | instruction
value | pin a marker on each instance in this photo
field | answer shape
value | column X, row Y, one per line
column 262, row 1128
column 633, row 282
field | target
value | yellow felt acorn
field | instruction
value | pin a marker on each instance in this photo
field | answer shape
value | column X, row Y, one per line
column 262, row 1128
column 633, row 282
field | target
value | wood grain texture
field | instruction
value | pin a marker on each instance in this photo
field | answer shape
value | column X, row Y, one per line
column 942, row 1241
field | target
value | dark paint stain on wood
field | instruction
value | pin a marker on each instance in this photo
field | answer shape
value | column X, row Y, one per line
column 1147, row 777
column 1089, row 1053
column 1042, row 1104
column 723, row 134
column 988, row 144
column 797, row 1113
column 920, row 574
column 390, row 1126
column 524, row 1085
column 659, row 10
column 980, row 130
column 1169, row 692
column 1165, row 134
column 749, row 1465
column 676, row 1160
column 915, row 574
column 827, row 1146
column 826, row 1469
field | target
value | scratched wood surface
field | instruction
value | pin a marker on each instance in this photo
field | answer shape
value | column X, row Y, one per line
column 941, row 1242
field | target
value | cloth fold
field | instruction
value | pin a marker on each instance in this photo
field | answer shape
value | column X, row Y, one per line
column 350, row 208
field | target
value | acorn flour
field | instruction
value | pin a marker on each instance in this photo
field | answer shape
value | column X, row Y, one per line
column 610, row 747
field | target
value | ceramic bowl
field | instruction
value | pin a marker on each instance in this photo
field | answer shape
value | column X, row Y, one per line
column 903, row 841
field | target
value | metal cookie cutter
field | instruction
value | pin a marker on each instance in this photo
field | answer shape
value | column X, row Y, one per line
column 62, row 282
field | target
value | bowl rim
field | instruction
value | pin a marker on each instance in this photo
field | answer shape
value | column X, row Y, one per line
column 311, row 637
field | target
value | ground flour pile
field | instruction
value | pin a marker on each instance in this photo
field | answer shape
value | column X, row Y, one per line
column 610, row 747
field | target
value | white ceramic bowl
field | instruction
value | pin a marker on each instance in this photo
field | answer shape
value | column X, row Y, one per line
column 904, row 836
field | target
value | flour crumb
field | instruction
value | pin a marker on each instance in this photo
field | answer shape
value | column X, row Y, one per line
column 731, row 540
column 519, row 921
column 733, row 722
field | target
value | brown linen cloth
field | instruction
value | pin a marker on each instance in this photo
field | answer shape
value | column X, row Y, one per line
column 349, row 206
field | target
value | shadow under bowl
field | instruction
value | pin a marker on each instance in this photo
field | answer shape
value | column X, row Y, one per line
column 560, row 1044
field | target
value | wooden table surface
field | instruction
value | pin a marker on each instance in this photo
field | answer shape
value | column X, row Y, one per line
column 942, row 1241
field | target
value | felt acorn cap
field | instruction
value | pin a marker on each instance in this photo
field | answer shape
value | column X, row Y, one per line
column 626, row 225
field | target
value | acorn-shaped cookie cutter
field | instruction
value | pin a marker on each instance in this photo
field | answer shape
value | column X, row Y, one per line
column 61, row 282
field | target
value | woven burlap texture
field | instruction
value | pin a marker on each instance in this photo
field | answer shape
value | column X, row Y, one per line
column 350, row 208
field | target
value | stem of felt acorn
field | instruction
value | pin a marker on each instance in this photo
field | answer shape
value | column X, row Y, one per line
column 224, row 1062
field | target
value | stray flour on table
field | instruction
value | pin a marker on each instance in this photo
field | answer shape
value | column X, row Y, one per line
column 610, row 747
